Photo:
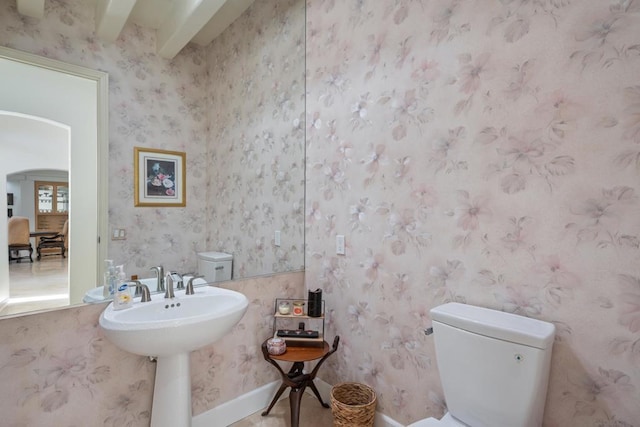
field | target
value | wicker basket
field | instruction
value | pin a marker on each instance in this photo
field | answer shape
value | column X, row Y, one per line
column 353, row 405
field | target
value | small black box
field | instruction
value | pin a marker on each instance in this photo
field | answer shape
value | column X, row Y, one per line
column 315, row 303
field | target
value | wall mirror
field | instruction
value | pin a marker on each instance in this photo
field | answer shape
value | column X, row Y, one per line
column 245, row 211
column 42, row 130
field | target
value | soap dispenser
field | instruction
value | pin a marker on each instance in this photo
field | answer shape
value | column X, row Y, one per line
column 122, row 297
column 110, row 279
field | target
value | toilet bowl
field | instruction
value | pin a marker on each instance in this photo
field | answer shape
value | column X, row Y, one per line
column 446, row 421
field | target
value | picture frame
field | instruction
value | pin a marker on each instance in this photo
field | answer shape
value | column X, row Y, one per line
column 159, row 178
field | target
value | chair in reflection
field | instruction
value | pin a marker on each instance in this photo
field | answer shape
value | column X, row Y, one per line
column 19, row 239
column 54, row 245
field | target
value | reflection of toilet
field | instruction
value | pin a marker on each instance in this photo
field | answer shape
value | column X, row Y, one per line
column 494, row 367
column 215, row 266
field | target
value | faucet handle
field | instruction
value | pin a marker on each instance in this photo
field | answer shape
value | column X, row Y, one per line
column 141, row 289
column 190, row 290
column 177, row 279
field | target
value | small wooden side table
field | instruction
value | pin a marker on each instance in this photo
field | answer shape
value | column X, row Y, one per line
column 296, row 378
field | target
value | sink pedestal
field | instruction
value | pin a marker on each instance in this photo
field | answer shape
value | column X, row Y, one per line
column 171, row 330
column 172, row 392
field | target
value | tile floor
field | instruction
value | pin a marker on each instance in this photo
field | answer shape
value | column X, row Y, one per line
column 38, row 285
column 312, row 414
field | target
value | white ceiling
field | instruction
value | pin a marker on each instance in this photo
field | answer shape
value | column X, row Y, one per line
column 176, row 22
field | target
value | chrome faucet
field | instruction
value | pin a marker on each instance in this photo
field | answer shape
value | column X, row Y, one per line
column 160, row 274
column 169, row 291
column 141, row 289
column 190, row 285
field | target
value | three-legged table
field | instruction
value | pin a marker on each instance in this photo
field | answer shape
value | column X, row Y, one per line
column 295, row 377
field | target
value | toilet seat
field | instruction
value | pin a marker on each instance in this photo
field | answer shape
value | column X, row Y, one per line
column 446, row 421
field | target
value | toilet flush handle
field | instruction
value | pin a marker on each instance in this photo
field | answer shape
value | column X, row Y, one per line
column 428, row 331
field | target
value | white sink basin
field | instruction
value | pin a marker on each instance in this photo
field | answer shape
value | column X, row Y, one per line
column 170, row 329
column 164, row 327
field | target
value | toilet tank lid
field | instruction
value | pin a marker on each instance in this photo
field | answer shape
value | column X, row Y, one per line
column 215, row 256
column 496, row 324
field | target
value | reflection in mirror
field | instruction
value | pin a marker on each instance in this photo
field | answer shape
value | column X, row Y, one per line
column 257, row 139
column 42, row 130
column 235, row 107
column 44, row 283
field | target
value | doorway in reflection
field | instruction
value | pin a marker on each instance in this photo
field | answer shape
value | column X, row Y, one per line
column 42, row 197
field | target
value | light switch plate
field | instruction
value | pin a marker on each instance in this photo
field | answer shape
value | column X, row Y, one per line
column 340, row 244
column 276, row 238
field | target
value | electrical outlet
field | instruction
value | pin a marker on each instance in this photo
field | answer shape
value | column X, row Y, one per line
column 276, row 237
column 340, row 244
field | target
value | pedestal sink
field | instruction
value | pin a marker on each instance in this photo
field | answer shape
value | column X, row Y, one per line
column 170, row 329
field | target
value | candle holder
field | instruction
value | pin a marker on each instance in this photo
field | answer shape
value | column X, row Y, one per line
column 298, row 308
column 284, row 307
column 276, row 346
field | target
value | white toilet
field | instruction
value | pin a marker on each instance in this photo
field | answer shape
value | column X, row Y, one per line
column 494, row 367
column 215, row 266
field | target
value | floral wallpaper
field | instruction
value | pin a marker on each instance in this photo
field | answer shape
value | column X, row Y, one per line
column 183, row 105
column 256, row 107
column 153, row 103
column 235, row 365
column 485, row 152
column 57, row 368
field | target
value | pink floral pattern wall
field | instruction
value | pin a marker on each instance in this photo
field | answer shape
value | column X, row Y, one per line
column 485, row 152
column 256, row 106
column 236, row 108
column 58, row 369
column 153, row 103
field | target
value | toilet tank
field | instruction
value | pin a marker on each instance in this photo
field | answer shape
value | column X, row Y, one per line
column 215, row 266
column 494, row 366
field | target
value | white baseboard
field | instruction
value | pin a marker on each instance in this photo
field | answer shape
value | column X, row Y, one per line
column 238, row 408
column 258, row 399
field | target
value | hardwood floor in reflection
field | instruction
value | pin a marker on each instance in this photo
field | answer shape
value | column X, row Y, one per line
column 38, row 285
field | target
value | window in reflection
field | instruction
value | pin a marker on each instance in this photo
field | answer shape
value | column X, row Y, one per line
column 52, row 205
column 45, row 197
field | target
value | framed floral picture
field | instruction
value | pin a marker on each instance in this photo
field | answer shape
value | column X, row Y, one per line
column 160, row 177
